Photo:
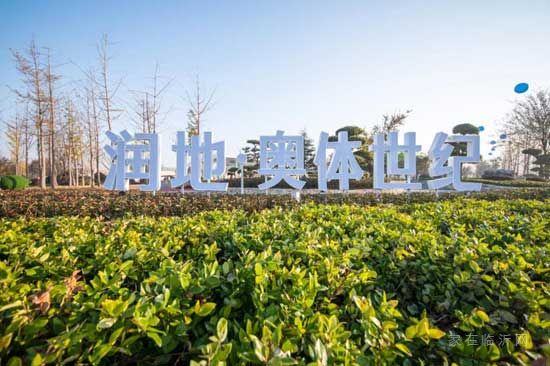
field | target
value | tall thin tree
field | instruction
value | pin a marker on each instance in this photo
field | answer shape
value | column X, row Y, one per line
column 200, row 102
column 14, row 136
column 50, row 79
column 29, row 66
column 108, row 92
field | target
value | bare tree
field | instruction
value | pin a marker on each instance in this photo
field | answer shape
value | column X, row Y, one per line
column 96, row 131
column 528, row 127
column 391, row 122
column 73, row 143
column 50, row 80
column 157, row 96
column 107, row 92
column 92, row 116
column 14, row 136
column 144, row 112
column 148, row 104
column 531, row 117
column 199, row 104
column 90, row 136
column 28, row 139
column 29, row 66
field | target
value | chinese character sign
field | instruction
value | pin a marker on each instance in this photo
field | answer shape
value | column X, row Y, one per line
column 133, row 160
column 440, row 153
column 282, row 159
column 342, row 166
column 387, row 153
column 207, row 161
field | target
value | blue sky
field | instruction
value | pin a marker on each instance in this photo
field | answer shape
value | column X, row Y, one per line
column 291, row 65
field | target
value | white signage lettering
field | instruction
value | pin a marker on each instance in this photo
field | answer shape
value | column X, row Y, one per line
column 282, row 159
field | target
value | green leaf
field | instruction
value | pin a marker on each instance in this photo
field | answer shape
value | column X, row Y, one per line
column 5, row 341
column 14, row 304
column 423, row 327
column 221, row 329
column 124, row 267
column 36, row 360
column 320, row 353
column 224, row 351
column 494, row 352
column 36, row 325
column 410, row 333
column 435, row 333
column 482, row 315
column 114, row 308
column 524, row 340
column 156, row 338
column 206, row 308
column 258, row 349
column 403, row 348
column 58, row 325
column 375, row 321
column 508, row 316
column 15, row 361
column 99, row 352
column 114, row 336
column 288, row 346
column 106, row 323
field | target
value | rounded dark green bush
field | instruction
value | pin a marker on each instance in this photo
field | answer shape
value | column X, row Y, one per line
column 13, row 182
column 7, row 182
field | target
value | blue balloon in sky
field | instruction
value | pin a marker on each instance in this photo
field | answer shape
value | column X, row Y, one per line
column 493, row 142
column 521, row 88
column 503, row 136
column 481, row 128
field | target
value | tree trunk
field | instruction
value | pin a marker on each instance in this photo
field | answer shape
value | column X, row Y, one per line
column 41, row 158
column 51, row 132
column 96, row 139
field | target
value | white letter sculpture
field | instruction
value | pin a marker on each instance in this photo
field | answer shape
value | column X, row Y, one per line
column 201, row 157
column 282, row 157
column 136, row 164
column 440, row 153
column 393, row 149
column 342, row 165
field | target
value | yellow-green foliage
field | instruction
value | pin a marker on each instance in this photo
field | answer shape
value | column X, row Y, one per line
column 316, row 284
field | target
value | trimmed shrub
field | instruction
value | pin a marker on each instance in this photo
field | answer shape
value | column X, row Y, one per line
column 7, row 182
column 14, row 182
column 498, row 174
column 311, row 183
column 513, row 183
column 106, row 204
column 20, row 182
column 533, row 178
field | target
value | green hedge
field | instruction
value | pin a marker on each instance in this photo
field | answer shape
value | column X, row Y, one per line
column 314, row 285
column 520, row 183
column 13, row 182
column 310, row 183
column 106, row 204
